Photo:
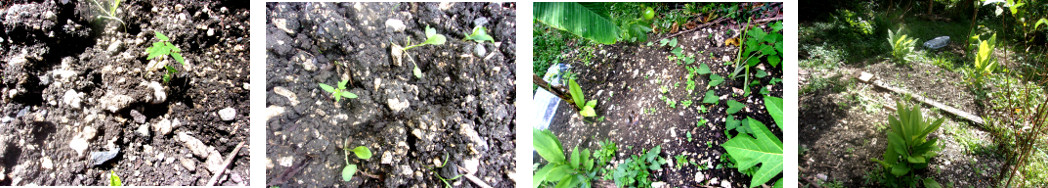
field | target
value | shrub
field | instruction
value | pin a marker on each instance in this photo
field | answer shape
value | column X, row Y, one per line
column 908, row 147
column 635, row 171
column 576, row 171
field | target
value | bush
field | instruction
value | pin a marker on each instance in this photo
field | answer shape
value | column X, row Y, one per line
column 901, row 45
column 908, row 147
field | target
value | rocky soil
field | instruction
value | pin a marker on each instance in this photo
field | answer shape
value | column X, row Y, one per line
column 459, row 113
column 80, row 103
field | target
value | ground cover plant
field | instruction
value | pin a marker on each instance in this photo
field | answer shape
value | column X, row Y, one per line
column 985, row 83
column 437, row 113
column 668, row 104
column 153, row 91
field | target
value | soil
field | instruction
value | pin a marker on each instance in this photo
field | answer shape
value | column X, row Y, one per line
column 70, row 80
column 460, row 112
column 842, row 130
column 626, row 79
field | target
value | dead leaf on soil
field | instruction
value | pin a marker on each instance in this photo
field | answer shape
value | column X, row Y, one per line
column 731, row 41
column 675, row 28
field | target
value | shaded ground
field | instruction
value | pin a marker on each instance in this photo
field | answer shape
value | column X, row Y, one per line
column 75, row 86
column 626, row 80
column 461, row 110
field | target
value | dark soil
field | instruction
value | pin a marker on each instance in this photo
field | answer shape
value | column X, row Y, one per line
column 626, row 80
column 65, row 75
column 461, row 110
column 841, row 130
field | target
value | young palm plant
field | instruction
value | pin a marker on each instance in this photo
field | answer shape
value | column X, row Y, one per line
column 908, row 147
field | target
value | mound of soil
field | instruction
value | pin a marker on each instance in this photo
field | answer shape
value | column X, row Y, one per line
column 76, row 91
column 460, row 112
column 626, row 79
column 842, row 130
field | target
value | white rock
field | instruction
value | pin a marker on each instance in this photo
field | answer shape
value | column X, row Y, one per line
column 396, row 105
column 46, row 163
column 286, row 93
column 159, row 96
column 471, row 165
column 227, row 114
column 114, row 47
column 395, row 25
column 725, row 184
column 281, row 24
column 143, row 130
column 72, row 98
column 196, row 146
column 79, row 142
column 214, row 162
column 658, row 184
column 189, row 164
column 387, row 158
column 163, row 127
column 114, row 102
column 699, row 177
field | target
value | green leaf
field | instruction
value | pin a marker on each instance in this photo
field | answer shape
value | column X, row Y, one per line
column 899, row 170
column 114, row 180
column 931, row 183
column 673, row 42
column 774, row 60
column 574, row 161
column 588, row 111
column 774, row 107
column 540, row 176
column 161, row 36
column 710, row 98
column 704, row 69
column 715, row 80
column 547, row 146
column 764, row 149
column 327, row 88
column 418, row 72
column 480, row 34
column 576, row 92
column 178, row 57
column 587, row 20
column 348, row 94
column 362, row 152
column 734, row 106
column 348, row 172
column 437, row 39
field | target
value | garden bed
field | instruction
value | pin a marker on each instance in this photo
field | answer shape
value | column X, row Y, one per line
column 460, row 111
column 627, row 80
column 75, row 86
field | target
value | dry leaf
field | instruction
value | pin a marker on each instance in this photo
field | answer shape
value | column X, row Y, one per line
column 731, row 41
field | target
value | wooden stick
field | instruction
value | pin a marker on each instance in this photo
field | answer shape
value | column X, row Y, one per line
column 229, row 159
column 476, row 180
column 952, row 110
column 556, row 91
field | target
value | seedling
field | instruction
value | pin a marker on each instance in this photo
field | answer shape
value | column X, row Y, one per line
column 587, row 109
column 442, row 179
column 351, row 169
column 339, row 92
column 108, row 13
column 480, row 34
column 114, row 180
column 165, row 48
column 431, row 38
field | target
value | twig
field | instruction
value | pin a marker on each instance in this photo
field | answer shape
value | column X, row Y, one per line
column 229, row 159
column 476, row 180
column 556, row 91
column 944, row 107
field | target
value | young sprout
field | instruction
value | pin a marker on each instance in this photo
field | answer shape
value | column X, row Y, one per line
column 351, row 169
column 339, row 92
column 480, row 34
column 165, row 48
column 114, row 180
column 431, row 38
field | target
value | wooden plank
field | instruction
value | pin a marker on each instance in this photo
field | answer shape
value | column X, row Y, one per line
column 944, row 107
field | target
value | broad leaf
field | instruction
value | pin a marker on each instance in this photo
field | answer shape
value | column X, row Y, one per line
column 715, row 80
column 548, row 146
column 480, row 34
column 764, row 149
column 576, row 93
column 362, row 152
column 734, row 106
column 588, row 20
column 348, row 171
column 704, row 69
column 774, row 106
column 348, row 94
column 710, row 98
column 327, row 88
column 114, row 180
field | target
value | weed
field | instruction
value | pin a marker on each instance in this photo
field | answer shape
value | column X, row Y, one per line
column 634, row 172
column 108, row 12
column 442, row 179
column 114, row 180
column 902, row 45
column 689, row 136
column 351, row 169
column 165, row 48
column 480, row 34
column 587, row 108
column 431, row 38
column 763, row 148
column 576, row 171
column 908, row 148
column 681, row 161
column 339, row 92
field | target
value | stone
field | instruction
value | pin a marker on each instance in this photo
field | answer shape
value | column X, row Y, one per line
column 159, row 96
column 115, row 102
column 865, row 77
column 291, row 97
column 214, row 162
column 725, row 184
column 658, row 184
column 143, row 130
column 189, row 164
column 471, row 165
column 196, row 146
column 114, row 48
column 138, row 117
column 387, row 158
column 72, row 98
column 163, row 127
column 99, row 158
column 227, row 114
column 281, row 24
column 822, row 177
column 79, row 143
column 699, row 177
column 395, row 25
column 46, row 163
column 396, row 105
column 479, row 50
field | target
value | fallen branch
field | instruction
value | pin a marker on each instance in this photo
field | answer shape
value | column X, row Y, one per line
column 476, row 180
column 868, row 78
column 229, row 159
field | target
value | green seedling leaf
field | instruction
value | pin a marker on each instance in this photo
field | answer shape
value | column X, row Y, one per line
column 327, row 88
column 362, row 152
column 418, row 72
column 480, row 34
column 734, row 106
column 576, row 93
column 548, row 146
column 764, row 149
column 114, row 180
column 774, row 106
column 673, row 42
column 761, row 74
column 704, row 69
column 715, row 80
column 710, row 98
column 348, row 172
